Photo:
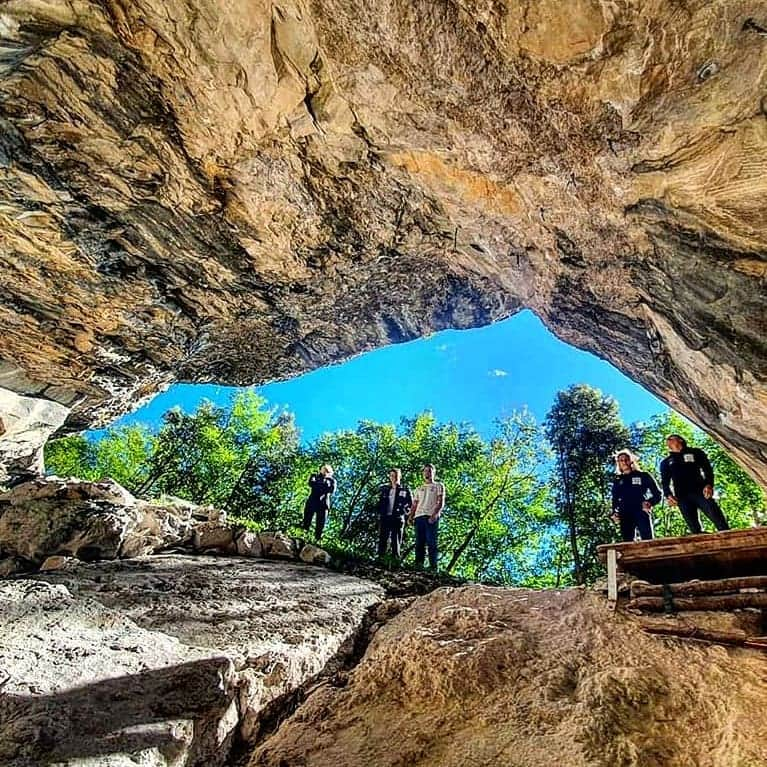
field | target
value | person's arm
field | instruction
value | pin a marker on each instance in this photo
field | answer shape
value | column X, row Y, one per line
column 437, row 513
column 414, row 507
column 665, row 479
column 708, row 472
column 615, row 502
column 652, row 486
column 408, row 502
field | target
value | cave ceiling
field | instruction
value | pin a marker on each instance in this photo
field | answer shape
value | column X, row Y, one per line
column 242, row 191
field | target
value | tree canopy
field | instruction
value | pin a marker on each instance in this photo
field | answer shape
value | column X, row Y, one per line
column 527, row 505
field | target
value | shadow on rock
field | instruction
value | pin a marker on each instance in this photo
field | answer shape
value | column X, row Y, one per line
column 177, row 710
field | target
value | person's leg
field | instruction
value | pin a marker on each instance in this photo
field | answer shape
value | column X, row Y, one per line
column 308, row 514
column 383, row 533
column 643, row 522
column 321, row 516
column 396, row 536
column 420, row 540
column 711, row 509
column 688, row 505
column 627, row 525
column 431, row 542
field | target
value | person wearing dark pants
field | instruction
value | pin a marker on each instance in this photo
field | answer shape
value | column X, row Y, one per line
column 428, row 503
column 318, row 503
column 689, row 472
column 394, row 502
column 634, row 494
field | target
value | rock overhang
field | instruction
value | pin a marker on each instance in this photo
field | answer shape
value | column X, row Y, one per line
column 240, row 194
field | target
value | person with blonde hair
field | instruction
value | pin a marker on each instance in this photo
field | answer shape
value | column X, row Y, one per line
column 322, row 485
column 634, row 494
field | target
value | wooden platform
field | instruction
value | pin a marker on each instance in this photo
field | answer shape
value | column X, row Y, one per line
column 706, row 557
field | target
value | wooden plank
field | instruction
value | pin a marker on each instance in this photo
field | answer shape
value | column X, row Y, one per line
column 733, row 553
column 663, row 548
column 717, row 602
column 690, row 588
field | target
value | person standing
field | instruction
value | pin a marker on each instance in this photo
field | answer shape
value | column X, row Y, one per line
column 322, row 485
column 634, row 494
column 394, row 502
column 428, row 502
column 689, row 471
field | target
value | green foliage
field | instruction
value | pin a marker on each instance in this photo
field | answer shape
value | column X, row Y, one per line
column 122, row 454
column 585, row 430
column 504, row 521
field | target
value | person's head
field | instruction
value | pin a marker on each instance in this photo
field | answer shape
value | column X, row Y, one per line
column 429, row 472
column 395, row 476
column 326, row 470
column 626, row 461
column 676, row 443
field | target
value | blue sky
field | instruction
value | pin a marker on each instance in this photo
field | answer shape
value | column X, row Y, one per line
column 469, row 375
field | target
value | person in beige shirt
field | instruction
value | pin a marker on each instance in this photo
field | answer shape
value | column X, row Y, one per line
column 428, row 503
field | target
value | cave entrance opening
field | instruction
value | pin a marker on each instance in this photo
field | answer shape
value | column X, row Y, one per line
column 474, row 403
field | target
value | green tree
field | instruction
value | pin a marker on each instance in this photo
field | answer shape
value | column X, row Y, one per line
column 585, row 430
column 123, row 454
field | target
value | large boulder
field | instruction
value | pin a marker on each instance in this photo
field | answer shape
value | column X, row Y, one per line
column 158, row 661
column 25, row 425
column 52, row 516
column 498, row 677
column 89, row 520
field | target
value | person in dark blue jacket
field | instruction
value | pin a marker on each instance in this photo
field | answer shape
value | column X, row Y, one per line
column 394, row 502
column 690, row 473
column 634, row 494
column 318, row 503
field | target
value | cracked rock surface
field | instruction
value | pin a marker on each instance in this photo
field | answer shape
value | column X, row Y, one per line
column 162, row 661
column 517, row 678
column 239, row 192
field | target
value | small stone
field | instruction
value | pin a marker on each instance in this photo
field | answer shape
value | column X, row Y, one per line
column 58, row 562
column 10, row 566
column 248, row 545
column 314, row 555
column 211, row 535
column 276, row 544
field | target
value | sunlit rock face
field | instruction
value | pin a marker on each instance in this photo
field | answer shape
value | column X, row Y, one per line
column 242, row 191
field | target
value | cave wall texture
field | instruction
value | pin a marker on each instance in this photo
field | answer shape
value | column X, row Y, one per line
column 241, row 191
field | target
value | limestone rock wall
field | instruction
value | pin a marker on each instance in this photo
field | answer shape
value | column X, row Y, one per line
column 500, row 677
column 165, row 661
column 238, row 192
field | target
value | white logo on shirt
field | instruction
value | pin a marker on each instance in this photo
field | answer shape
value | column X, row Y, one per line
column 689, row 458
column 636, row 481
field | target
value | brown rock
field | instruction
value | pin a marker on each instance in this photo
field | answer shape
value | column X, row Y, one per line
column 277, row 544
column 314, row 555
column 499, row 677
column 212, row 535
column 245, row 192
column 58, row 563
column 248, row 544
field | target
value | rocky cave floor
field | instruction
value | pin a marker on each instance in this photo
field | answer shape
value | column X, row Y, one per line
column 174, row 660
column 217, row 646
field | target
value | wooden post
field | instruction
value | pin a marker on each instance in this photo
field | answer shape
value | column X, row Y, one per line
column 612, row 577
